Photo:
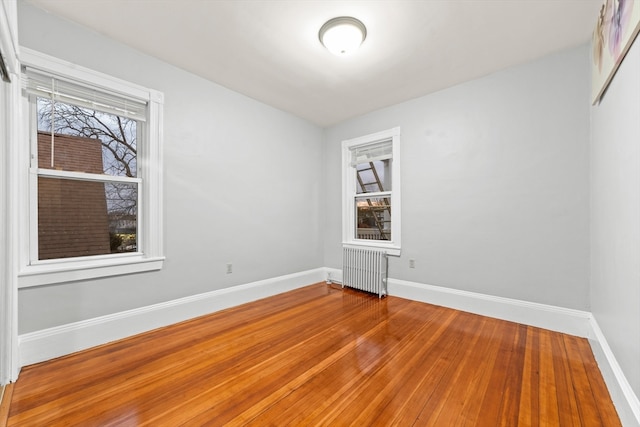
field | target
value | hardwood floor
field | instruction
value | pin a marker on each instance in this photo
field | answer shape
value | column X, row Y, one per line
column 5, row 399
column 323, row 356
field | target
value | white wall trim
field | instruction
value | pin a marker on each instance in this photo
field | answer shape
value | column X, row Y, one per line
column 53, row 342
column 560, row 319
column 566, row 320
column 9, row 135
column 11, row 205
column 624, row 399
column 9, row 34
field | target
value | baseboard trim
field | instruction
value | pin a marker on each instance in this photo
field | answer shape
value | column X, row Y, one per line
column 559, row 319
column 61, row 340
column 624, row 399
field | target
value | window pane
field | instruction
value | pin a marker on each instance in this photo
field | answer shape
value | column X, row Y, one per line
column 373, row 216
column 122, row 207
column 373, row 176
column 83, row 218
column 85, row 140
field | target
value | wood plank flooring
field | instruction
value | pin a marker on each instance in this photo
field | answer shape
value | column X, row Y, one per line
column 321, row 356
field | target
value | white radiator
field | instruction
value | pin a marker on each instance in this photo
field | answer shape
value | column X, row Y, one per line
column 365, row 269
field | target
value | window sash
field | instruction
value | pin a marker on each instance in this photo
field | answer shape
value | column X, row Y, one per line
column 386, row 223
column 34, row 258
column 83, row 176
column 378, row 194
column 78, row 216
column 33, row 102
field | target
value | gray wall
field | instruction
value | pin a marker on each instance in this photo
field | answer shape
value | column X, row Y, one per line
column 495, row 183
column 243, row 185
column 615, row 216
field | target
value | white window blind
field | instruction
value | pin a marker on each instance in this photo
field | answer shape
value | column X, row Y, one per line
column 49, row 86
column 372, row 152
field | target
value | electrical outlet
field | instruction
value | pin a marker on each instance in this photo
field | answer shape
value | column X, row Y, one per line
column 229, row 268
column 412, row 263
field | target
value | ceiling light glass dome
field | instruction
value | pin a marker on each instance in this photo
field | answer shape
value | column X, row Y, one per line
column 343, row 35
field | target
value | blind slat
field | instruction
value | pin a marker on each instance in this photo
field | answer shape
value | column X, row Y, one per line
column 49, row 86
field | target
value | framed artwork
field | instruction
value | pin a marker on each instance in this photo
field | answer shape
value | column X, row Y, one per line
column 617, row 27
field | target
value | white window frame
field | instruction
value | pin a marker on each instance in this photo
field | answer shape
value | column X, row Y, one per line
column 349, row 191
column 150, row 256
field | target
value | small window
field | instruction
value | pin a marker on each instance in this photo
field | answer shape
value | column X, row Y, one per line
column 371, row 190
column 92, row 207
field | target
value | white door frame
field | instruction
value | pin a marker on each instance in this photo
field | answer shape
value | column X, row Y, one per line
column 9, row 136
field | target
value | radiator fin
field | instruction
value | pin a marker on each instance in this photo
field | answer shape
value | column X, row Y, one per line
column 365, row 270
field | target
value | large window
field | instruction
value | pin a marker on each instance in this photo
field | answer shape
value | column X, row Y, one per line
column 371, row 191
column 95, row 174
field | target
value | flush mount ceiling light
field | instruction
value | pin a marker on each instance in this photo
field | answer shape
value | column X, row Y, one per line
column 343, row 35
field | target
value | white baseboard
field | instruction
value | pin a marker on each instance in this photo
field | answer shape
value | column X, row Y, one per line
column 333, row 275
column 624, row 399
column 559, row 319
column 58, row 341
column 568, row 321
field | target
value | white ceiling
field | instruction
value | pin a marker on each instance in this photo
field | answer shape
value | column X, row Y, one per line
column 269, row 49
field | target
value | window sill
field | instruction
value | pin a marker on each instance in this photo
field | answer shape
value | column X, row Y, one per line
column 389, row 249
column 48, row 274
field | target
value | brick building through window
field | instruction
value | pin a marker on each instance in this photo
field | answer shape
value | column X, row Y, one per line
column 73, row 218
